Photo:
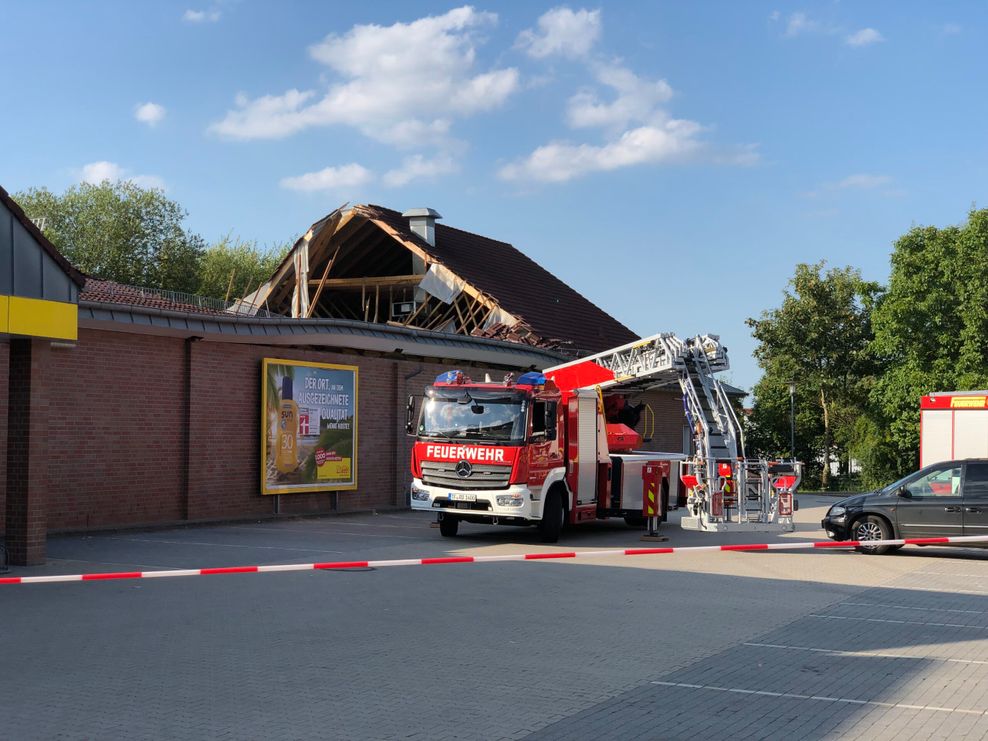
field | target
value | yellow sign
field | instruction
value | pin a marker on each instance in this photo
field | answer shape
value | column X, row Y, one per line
column 334, row 470
column 967, row 402
column 35, row 317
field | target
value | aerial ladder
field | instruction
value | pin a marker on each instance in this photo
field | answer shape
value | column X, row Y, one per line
column 726, row 489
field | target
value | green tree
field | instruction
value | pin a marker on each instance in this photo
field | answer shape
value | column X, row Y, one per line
column 232, row 268
column 818, row 339
column 931, row 334
column 120, row 231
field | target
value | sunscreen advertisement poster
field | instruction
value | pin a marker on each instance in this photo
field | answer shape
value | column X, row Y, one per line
column 308, row 427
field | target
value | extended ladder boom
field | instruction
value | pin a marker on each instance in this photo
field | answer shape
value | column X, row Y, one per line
column 663, row 360
column 726, row 489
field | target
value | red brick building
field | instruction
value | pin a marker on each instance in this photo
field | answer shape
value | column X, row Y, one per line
column 149, row 410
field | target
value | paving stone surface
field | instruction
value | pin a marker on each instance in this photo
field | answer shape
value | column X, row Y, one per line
column 712, row 645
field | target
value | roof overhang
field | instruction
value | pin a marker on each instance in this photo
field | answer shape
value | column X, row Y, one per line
column 338, row 334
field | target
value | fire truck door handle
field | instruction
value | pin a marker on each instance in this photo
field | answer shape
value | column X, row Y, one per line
column 972, row 509
column 951, row 509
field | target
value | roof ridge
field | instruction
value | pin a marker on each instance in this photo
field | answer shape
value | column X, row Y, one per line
column 444, row 226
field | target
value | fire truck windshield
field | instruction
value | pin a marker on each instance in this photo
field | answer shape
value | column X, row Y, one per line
column 462, row 414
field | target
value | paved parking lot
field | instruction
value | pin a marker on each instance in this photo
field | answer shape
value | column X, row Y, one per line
column 715, row 645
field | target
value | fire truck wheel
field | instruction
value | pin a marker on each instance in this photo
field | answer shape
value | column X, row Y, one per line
column 871, row 527
column 448, row 526
column 553, row 515
column 635, row 520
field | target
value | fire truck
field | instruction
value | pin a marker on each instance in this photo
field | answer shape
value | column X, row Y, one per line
column 559, row 447
column 953, row 425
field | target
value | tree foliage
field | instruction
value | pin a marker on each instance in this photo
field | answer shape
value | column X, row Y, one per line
column 233, row 268
column 819, row 340
column 931, row 328
column 120, row 231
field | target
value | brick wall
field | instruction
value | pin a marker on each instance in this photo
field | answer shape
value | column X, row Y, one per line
column 133, row 443
column 116, row 431
column 669, row 420
column 147, row 429
column 29, row 409
column 4, row 379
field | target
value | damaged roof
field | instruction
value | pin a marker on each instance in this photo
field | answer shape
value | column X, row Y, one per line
column 521, row 286
column 364, row 261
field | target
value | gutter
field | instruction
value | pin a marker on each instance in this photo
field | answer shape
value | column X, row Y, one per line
column 330, row 333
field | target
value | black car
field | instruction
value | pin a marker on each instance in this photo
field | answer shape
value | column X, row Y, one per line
column 943, row 499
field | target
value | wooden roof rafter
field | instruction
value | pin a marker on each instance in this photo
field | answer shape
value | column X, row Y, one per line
column 355, row 261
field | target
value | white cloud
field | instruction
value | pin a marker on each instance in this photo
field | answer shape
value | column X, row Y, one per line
column 637, row 100
column 562, row 31
column 800, row 23
column 267, row 117
column 774, row 15
column 950, row 29
column 863, row 181
column 399, row 82
column 418, row 167
column 637, row 130
column 746, row 155
column 201, row 16
column 96, row 172
column 414, row 133
column 864, row 37
column 149, row 113
column 352, row 175
column 559, row 161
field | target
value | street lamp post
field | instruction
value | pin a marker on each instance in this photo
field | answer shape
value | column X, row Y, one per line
column 792, row 420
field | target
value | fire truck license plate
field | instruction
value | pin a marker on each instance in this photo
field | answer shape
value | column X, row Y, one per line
column 460, row 496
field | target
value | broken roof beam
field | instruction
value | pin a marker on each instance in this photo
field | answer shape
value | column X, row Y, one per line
column 399, row 281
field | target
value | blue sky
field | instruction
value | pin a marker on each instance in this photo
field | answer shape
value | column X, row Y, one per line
column 672, row 161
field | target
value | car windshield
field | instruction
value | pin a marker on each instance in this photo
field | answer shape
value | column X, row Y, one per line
column 471, row 414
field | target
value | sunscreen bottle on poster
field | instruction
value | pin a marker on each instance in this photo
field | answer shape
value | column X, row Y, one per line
column 286, row 458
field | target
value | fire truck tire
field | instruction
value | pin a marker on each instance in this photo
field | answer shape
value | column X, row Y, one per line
column 871, row 527
column 448, row 526
column 635, row 520
column 553, row 516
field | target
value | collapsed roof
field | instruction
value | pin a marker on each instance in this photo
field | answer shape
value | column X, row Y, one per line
column 371, row 263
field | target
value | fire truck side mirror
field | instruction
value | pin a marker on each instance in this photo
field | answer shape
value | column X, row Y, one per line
column 550, row 420
column 410, row 416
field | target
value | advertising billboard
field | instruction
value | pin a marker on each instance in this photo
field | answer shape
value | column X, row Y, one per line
column 308, row 427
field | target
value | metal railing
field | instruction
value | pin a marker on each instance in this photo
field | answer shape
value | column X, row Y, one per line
column 238, row 307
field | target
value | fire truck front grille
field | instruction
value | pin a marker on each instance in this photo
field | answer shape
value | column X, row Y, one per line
column 481, row 477
column 472, row 506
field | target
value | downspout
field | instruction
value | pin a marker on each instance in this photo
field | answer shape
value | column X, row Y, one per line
column 399, row 495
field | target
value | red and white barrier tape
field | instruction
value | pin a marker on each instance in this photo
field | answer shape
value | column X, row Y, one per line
column 483, row 559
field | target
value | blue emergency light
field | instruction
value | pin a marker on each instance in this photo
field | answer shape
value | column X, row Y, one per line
column 449, row 376
column 532, row 378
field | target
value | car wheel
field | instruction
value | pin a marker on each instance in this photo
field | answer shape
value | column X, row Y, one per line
column 868, row 528
column 448, row 526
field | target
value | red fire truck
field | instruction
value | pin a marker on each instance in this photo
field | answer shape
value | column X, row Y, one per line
column 559, row 447
column 953, row 425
